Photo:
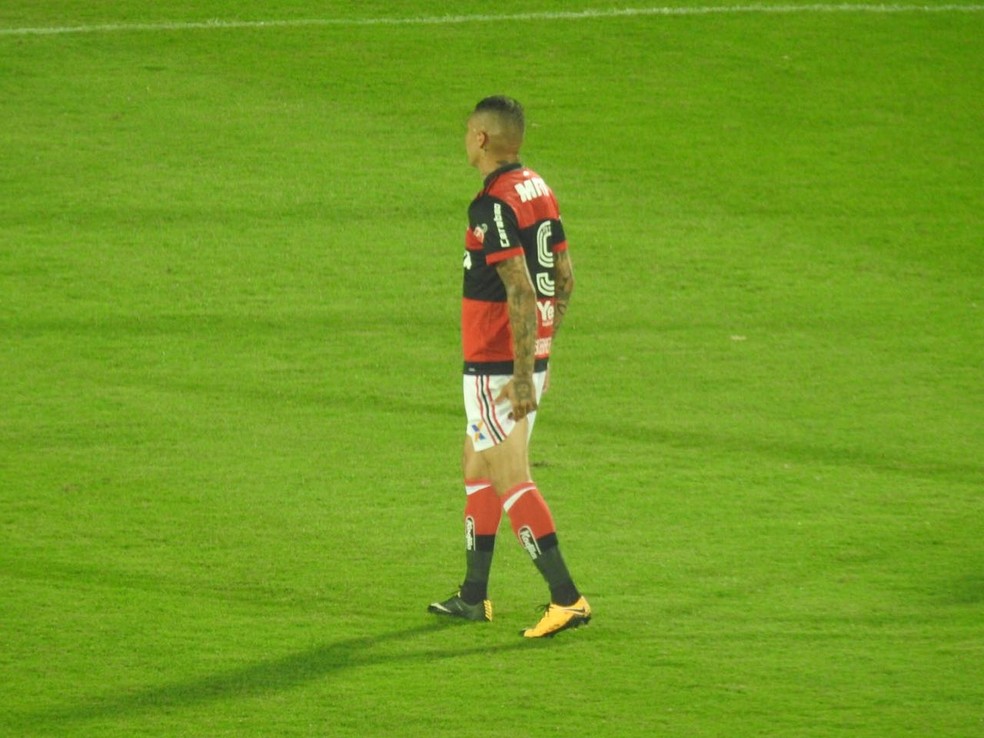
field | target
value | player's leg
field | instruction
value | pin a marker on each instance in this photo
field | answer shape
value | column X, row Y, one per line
column 483, row 511
column 507, row 465
column 497, row 477
column 529, row 514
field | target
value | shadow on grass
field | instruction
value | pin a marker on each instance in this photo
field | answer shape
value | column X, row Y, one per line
column 264, row 677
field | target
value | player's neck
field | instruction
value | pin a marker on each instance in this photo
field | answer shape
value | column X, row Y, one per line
column 491, row 163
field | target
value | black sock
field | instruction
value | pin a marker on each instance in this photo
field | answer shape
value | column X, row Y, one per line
column 551, row 565
column 478, row 564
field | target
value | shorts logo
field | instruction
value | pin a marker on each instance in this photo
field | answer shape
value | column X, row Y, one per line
column 528, row 541
column 478, row 431
column 469, row 533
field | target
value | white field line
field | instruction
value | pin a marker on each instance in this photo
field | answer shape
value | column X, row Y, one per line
column 219, row 24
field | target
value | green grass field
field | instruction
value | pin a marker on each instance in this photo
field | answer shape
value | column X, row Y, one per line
column 230, row 422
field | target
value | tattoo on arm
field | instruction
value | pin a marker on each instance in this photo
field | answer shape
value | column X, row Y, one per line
column 563, row 287
column 521, row 301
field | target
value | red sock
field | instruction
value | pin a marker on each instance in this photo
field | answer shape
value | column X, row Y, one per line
column 530, row 518
column 482, row 516
column 482, row 510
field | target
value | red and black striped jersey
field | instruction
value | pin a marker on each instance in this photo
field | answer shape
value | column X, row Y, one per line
column 515, row 215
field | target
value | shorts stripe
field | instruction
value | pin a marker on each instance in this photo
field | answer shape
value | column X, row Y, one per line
column 487, row 409
column 487, row 422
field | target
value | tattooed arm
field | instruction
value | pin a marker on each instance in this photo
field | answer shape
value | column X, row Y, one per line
column 563, row 287
column 521, row 301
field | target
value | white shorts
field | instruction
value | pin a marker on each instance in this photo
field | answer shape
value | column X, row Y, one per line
column 489, row 423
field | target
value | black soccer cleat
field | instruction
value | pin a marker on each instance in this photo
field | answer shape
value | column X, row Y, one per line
column 458, row 608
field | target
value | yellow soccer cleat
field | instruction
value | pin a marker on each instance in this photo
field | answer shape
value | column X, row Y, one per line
column 560, row 617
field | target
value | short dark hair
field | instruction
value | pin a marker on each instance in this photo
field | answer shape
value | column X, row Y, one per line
column 509, row 109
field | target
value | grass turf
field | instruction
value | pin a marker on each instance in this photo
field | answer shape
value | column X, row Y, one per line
column 230, row 427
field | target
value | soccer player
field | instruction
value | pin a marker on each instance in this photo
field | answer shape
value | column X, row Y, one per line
column 518, row 281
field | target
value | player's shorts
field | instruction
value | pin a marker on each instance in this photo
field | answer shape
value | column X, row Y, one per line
column 490, row 423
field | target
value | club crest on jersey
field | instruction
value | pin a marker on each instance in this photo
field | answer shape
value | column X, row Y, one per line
column 480, row 231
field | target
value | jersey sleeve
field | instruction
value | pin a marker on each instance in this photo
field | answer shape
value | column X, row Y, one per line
column 494, row 226
column 559, row 237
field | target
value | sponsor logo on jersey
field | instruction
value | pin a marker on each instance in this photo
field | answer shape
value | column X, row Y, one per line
column 500, row 225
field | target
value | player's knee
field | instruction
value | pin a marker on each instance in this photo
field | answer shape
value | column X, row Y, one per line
column 505, row 476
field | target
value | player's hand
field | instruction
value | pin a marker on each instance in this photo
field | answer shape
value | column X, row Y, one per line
column 521, row 393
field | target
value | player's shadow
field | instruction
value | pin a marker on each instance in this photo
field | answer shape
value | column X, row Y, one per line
column 267, row 676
